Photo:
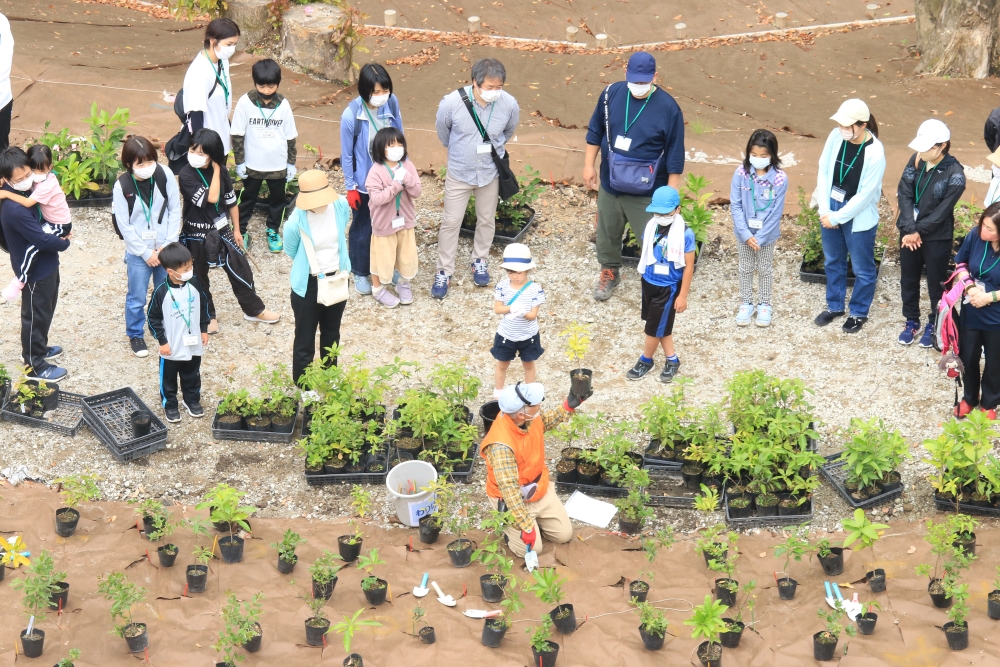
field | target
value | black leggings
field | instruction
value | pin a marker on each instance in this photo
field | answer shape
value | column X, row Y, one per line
column 310, row 315
column 972, row 342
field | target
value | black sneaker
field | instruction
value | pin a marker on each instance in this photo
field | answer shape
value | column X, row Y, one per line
column 854, row 324
column 194, row 409
column 172, row 415
column 639, row 370
column 826, row 317
column 138, row 347
column 669, row 371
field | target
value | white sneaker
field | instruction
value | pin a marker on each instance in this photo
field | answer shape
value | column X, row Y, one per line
column 744, row 315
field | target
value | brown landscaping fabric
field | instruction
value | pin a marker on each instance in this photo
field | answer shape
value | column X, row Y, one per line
column 181, row 630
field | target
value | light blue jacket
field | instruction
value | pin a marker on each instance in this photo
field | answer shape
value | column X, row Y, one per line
column 769, row 192
column 296, row 224
column 356, row 160
column 862, row 207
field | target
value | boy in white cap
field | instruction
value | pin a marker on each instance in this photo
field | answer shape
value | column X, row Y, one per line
column 518, row 299
column 931, row 185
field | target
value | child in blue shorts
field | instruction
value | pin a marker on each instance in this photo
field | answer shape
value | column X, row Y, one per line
column 518, row 299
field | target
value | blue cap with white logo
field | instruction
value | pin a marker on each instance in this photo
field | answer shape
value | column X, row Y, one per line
column 641, row 68
column 665, row 200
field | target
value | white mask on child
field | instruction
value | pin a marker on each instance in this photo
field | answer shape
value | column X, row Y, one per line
column 23, row 186
column 225, row 52
column 39, row 178
column 760, row 162
column 378, row 100
column 664, row 220
column 144, row 173
column 197, row 161
column 186, row 276
column 394, row 153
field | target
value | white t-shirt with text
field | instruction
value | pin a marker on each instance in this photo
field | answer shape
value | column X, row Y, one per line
column 266, row 133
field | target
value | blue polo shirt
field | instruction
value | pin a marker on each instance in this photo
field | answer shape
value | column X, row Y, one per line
column 657, row 128
column 673, row 277
column 984, row 266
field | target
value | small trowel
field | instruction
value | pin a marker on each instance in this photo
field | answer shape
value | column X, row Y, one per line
column 482, row 613
column 446, row 600
column 530, row 559
column 421, row 590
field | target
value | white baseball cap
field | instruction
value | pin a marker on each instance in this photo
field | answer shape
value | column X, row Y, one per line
column 851, row 112
column 514, row 398
column 931, row 133
column 517, row 257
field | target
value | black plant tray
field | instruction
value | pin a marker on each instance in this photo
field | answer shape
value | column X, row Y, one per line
column 968, row 508
column 65, row 419
column 109, row 417
column 464, row 477
column 498, row 238
column 592, row 489
column 354, row 478
column 667, row 489
column 819, row 276
column 90, row 202
column 757, row 521
column 836, row 475
column 253, row 436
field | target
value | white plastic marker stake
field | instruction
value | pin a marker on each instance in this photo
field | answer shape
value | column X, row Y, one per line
column 31, row 622
column 530, row 559
column 482, row 613
column 421, row 590
column 446, row 600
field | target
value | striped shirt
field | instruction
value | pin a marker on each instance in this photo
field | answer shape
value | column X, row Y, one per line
column 518, row 328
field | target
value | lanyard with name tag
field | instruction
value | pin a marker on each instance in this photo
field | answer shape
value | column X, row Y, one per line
column 484, row 148
column 622, row 143
column 149, row 235
column 398, row 223
column 837, row 194
column 755, row 224
column 221, row 222
column 661, row 269
column 190, row 340
column 266, row 134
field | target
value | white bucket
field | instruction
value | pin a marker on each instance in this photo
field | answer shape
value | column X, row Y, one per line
column 411, row 507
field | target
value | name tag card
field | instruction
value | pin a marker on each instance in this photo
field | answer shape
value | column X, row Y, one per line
column 221, row 222
column 622, row 143
column 661, row 269
column 191, row 340
column 149, row 235
column 755, row 224
column 398, row 223
column 836, row 194
column 483, row 148
column 265, row 134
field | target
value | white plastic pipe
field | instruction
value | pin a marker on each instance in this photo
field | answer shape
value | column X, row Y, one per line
column 390, row 18
column 781, row 20
column 681, row 30
column 571, row 33
column 601, row 40
column 473, row 24
column 870, row 10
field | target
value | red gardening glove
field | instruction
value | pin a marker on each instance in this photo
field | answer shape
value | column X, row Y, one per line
column 529, row 537
column 354, row 199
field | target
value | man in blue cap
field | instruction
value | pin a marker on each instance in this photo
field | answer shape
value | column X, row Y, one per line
column 641, row 149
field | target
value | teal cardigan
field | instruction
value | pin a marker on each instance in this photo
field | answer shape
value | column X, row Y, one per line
column 295, row 226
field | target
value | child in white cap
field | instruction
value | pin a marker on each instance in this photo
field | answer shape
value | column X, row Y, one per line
column 518, row 299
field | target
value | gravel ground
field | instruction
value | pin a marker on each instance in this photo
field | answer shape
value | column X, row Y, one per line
column 861, row 375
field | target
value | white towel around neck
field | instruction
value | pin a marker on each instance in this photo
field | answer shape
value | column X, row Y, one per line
column 675, row 243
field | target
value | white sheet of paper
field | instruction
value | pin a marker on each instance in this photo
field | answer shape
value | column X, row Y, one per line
column 590, row 510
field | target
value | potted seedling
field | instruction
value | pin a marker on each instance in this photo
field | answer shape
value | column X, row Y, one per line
column 794, row 548
column 44, row 568
column 830, row 558
column 993, row 599
column 324, row 574
column 950, row 558
column 123, row 596
column 347, row 628
column 493, row 556
column 223, row 502
column 375, row 589
column 867, row 618
column 318, row 624
column 664, row 539
column 71, row 657
column 231, row 409
column 350, row 545
column 577, row 344
column 37, row 588
column 457, row 385
column 713, row 543
column 962, row 528
column 494, row 629
column 708, row 500
column 652, row 625
column 726, row 587
column 544, row 650
column 44, row 396
column 871, row 456
column 153, row 515
column 730, row 638
column 632, row 510
column 75, row 490
column 460, row 510
column 860, row 529
column 242, row 629
column 825, row 641
column 706, row 621
column 426, row 633
column 957, row 629
column 25, row 397
column 663, row 418
column 281, row 397
column 430, row 525
column 548, row 589
column 287, row 558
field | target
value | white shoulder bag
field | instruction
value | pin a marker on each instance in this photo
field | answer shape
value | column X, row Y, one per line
column 331, row 288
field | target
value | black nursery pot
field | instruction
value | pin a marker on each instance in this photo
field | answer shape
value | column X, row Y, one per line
column 197, row 578
column 940, row 600
column 428, row 532
column 67, row 519
column 706, row 660
column 232, row 549
column 376, row 595
column 141, row 423
column 709, row 557
column 253, row 645
column 349, row 552
column 731, row 639
column 546, row 658
column 823, row 650
column 32, row 648
column 866, row 623
column 566, row 472
column 460, row 552
column 488, row 413
column 60, row 598
column 786, row 588
column 493, row 632
column 286, row 566
column 335, row 467
column 51, row 400
column 651, row 642
column 691, row 472
column 283, row 424
column 629, row 527
column 958, row 639
column 492, row 591
column 876, row 580
column 230, row 422
column 968, row 546
column 581, row 380
column 993, row 606
column 139, row 640
column 324, row 591
column 259, row 424
column 563, row 618
column 314, row 634
column 426, row 635
column 354, row 660
column 834, row 563
column 723, row 594
column 638, row 590
column 166, row 557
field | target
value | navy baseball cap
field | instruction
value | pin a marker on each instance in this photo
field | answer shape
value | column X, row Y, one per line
column 641, row 68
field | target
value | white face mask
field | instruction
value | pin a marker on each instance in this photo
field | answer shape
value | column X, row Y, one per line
column 664, row 220
column 144, row 172
column 639, row 89
column 760, row 162
column 931, row 155
column 847, row 133
column 197, row 161
column 23, row 186
column 39, row 178
column 378, row 100
column 225, row 52
column 186, row 276
column 489, row 95
column 394, row 153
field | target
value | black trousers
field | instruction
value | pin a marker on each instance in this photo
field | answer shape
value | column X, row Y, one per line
column 237, row 268
column 309, row 316
column 38, row 305
column 972, row 342
column 934, row 255
column 190, row 375
column 5, row 115
column 275, row 202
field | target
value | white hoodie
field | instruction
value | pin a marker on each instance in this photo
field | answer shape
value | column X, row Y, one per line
column 6, row 60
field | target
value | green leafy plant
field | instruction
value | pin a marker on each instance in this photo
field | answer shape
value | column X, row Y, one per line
column 694, row 206
column 158, row 526
column 810, row 238
column 223, row 501
column 38, row 585
column 107, row 132
column 511, row 211
column 324, row 569
column 79, row 488
column 74, row 655
column 190, row 10
column 652, row 620
column 234, row 402
column 578, row 339
column 491, row 553
column 663, row 417
column 75, row 175
column 203, row 555
column 871, row 453
column 547, row 586
column 708, row 500
column 651, row 546
column 794, row 548
column 318, row 618
column 860, row 529
column 286, row 547
column 633, row 507
column 511, row 603
column 706, row 620
column 714, row 542
column 950, row 559
column 241, row 626
column 834, row 621
column 368, row 562
column 962, row 458
column 348, row 627
column 541, row 635
column 361, row 501
column 959, row 610
column 455, row 383
column 417, row 616
column 123, row 596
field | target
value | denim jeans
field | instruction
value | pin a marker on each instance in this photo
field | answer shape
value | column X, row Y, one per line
column 139, row 274
column 359, row 239
column 838, row 243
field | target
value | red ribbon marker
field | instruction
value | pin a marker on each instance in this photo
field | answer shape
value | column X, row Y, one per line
column 185, row 593
column 324, row 641
column 59, row 613
column 464, row 591
column 148, row 558
column 411, row 542
column 146, row 651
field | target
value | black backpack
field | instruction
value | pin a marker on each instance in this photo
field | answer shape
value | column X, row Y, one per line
column 128, row 191
column 178, row 145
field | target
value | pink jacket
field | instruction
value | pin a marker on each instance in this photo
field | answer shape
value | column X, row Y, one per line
column 50, row 197
column 382, row 191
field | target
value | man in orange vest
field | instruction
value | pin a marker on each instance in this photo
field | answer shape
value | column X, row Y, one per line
column 516, row 474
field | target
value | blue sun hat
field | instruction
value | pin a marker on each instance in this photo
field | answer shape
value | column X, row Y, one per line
column 665, row 200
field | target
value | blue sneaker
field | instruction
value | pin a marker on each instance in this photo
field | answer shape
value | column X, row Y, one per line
column 744, row 314
column 50, row 374
column 53, row 351
column 439, row 289
column 909, row 331
column 927, row 340
column 480, row 273
column 764, row 315
column 363, row 285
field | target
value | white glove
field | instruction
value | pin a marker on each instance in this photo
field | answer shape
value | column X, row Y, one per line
column 518, row 310
column 290, row 172
column 399, row 175
column 241, row 171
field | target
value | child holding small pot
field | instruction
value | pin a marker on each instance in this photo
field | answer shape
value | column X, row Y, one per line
column 518, row 299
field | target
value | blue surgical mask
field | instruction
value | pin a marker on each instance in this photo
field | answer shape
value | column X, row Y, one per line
column 760, row 162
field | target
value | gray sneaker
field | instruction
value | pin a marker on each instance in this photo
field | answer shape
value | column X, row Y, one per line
column 606, row 283
column 639, row 370
column 669, row 371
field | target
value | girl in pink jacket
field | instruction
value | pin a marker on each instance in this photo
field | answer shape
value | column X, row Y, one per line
column 393, row 184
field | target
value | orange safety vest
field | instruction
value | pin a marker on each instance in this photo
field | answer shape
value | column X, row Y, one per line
column 529, row 450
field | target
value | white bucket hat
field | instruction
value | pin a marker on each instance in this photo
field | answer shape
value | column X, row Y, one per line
column 851, row 112
column 517, row 257
column 931, row 133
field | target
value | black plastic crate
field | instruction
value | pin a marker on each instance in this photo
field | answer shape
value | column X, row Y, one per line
column 966, row 508
column 758, row 521
column 253, row 436
column 836, row 474
column 667, row 489
column 65, row 419
column 498, row 238
column 465, row 477
column 354, row 478
column 592, row 489
column 109, row 417
column 650, row 463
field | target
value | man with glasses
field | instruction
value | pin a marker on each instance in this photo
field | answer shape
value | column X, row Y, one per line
column 517, row 479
